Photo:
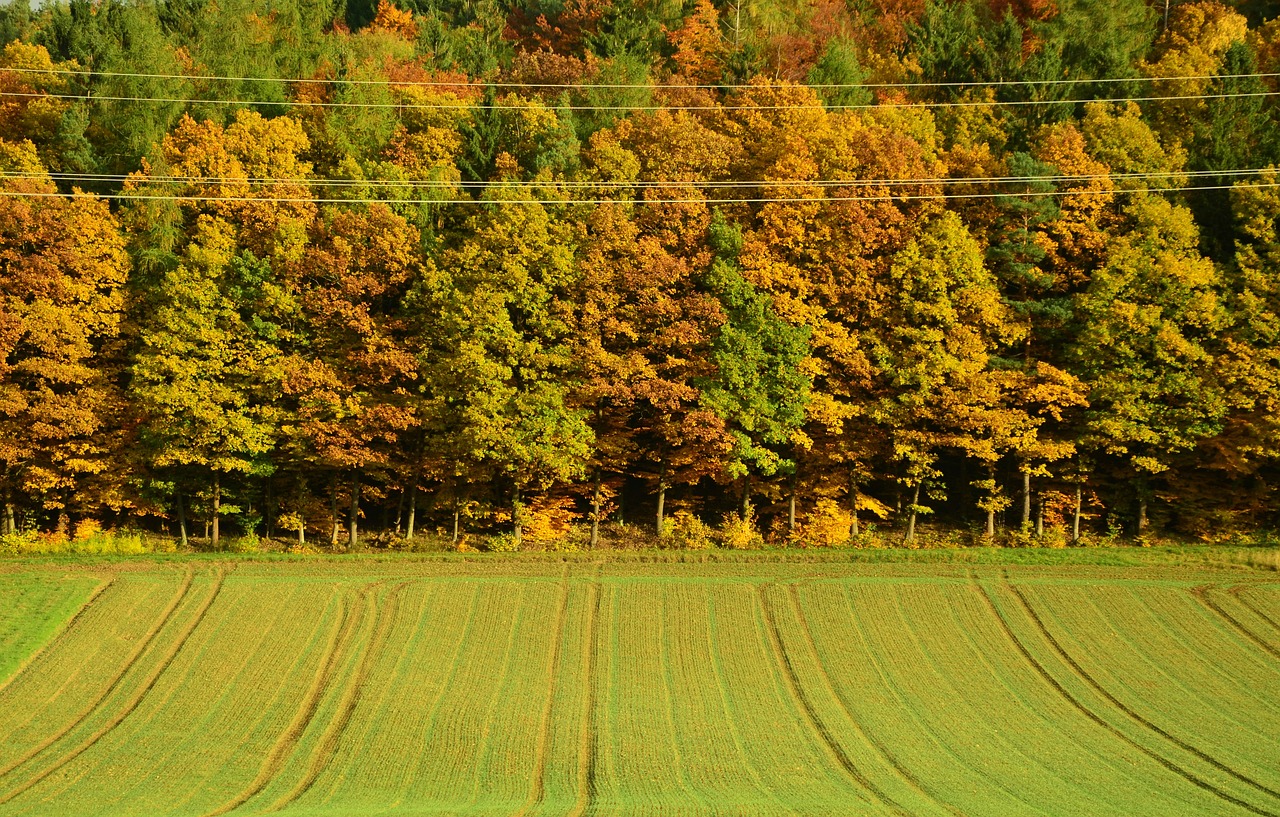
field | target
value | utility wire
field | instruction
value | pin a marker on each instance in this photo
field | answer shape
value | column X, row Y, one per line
column 89, row 178
column 688, row 200
column 594, row 85
column 462, row 106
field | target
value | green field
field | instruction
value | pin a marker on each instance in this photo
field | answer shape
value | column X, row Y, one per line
column 364, row 687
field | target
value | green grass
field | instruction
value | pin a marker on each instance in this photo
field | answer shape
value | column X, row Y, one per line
column 642, row 684
column 34, row 608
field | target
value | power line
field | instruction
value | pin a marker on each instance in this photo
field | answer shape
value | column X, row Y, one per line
column 468, row 83
column 689, row 200
column 634, row 108
column 642, row 184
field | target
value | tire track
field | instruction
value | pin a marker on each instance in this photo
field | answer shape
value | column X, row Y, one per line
column 1123, row 707
column 58, row 637
column 588, row 741
column 148, row 637
column 1201, row 592
column 983, row 650
column 798, row 693
column 882, row 672
column 537, row 788
column 1238, row 593
column 885, row 752
column 348, row 622
column 132, row 704
column 328, row 743
column 1186, row 774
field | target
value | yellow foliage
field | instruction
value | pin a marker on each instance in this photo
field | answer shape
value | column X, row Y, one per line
column 550, row 520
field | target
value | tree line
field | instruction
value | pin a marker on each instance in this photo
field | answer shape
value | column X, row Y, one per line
column 287, row 267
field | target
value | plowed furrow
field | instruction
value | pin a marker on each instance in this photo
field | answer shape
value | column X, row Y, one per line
column 1093, row 683
column 588, row 743
column 885, row 752
column 1238, row 592
column 537, row 786
column 1201, row 593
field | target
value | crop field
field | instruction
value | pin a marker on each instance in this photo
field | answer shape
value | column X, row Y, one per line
column 368, row 687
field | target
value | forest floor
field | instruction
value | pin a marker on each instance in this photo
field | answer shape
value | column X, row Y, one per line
column 1136, row 681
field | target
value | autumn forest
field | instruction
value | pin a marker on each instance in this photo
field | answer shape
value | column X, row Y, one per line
column 768, row 271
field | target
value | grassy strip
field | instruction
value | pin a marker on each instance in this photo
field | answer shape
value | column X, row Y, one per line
column 37, row 610
column 1260, row 557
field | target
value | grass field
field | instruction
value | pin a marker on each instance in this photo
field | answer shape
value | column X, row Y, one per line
column 522, row 687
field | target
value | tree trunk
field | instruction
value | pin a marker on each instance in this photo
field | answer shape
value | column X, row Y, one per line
column 217, row 506
column 791, row 507
column 333, row 513
column 7, row 526
column 268, row 510
column 911, row 518
column 302, row 516
column 1142, row 515
column 1026, row 497
column 746, row 496
column 991, row 511
column 1039, row 518
column 353, row 522
column 853, row 506
column 516, row 517
column 413, row 511
column 662, row 494
column 457, row 512
column 182, row 520
column 400, row 511
column 1075, row 517
column 595, row 511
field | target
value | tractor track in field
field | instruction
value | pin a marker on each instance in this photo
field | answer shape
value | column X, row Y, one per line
column 798, row 693
column 1201, row 592
column 588, row 740
column 889, row 757
column 143, row 643
column 328, row 743
column 57, row 638
column 537, row 787
column 1084, row 709
column 1238, row 593
column 132, row 704
column 348, row 623
column 1084, row 675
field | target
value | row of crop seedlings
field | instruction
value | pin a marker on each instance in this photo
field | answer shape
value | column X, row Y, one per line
column 446, row 759
column 192, row 741
column 848, row 745
column 1244, row 657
